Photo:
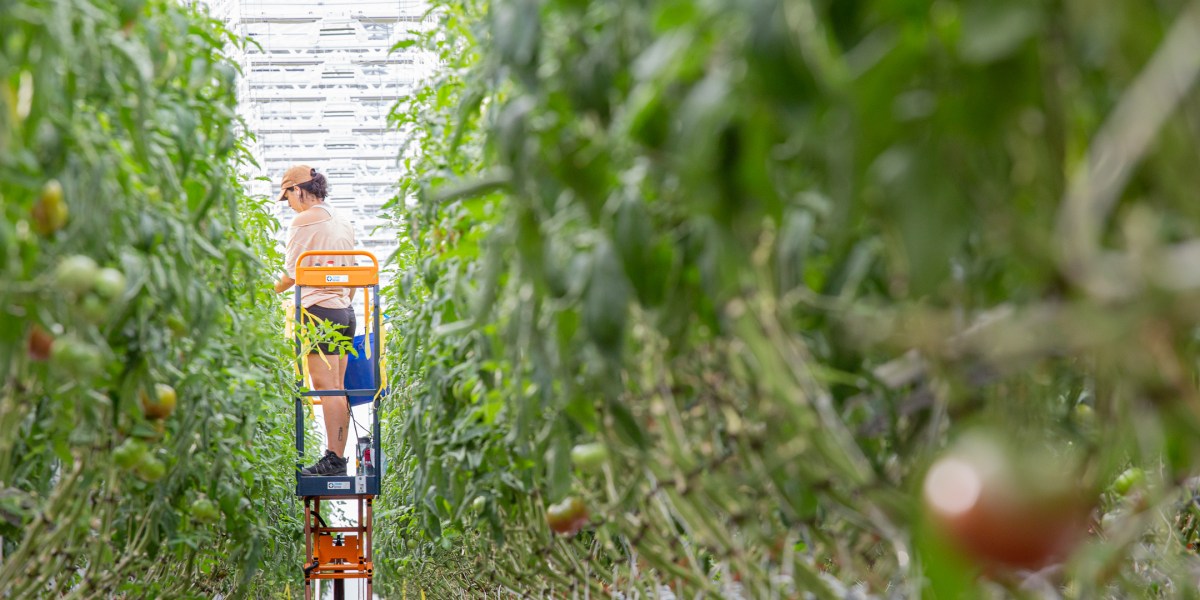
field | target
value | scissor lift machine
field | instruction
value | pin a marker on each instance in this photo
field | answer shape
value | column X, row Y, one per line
column 340, row 553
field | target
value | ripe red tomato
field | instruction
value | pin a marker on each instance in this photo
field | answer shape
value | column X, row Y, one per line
column 567, row 517
column 41, row 343
column 1004, row 510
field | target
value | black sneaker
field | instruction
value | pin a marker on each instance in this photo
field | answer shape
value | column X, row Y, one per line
column 330, row 465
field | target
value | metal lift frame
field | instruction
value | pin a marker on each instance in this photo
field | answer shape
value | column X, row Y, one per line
column 325, row 557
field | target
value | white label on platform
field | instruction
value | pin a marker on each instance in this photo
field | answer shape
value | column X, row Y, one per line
column 337, row 485
column 337, row 279
column 360, row 484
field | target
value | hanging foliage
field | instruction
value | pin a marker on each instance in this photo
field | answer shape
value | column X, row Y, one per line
column 768, row 297
column 144, row 382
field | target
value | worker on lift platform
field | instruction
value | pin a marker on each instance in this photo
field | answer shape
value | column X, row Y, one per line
column 321, row 265
column 318, row 227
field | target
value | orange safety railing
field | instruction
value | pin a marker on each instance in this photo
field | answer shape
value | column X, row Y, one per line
column 334, row 276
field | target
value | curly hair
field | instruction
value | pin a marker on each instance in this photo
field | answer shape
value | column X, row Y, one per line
column 317, row 186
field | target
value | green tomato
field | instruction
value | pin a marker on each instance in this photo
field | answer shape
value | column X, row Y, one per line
column 94, row 309
column 109, row 283
column 1085, row 414
column 204, row 510
column 149, row 468
column 76, row 274
column 589, row 457
column 50, row 212
column 1129, row 480
column 479, row 503
column 76, row 357
column 129, row 453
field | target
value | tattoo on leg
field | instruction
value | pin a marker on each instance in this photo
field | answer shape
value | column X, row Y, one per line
column 340, row 434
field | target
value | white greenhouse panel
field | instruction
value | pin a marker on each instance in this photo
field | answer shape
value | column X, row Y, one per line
column 319, row 81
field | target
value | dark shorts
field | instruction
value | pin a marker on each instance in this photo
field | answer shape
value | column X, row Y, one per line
column 342, row 319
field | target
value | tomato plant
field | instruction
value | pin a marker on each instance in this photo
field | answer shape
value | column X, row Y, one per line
column 131, row 258
column 776, row 257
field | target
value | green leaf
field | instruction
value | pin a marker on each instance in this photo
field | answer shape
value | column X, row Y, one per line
column 606, row 304
column 993, row 31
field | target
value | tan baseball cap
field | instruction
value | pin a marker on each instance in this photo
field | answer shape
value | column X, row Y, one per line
column 294, row 176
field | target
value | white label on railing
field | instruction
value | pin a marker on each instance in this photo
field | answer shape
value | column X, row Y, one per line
column 338, row 485
column 360, row 484
column 337, row 279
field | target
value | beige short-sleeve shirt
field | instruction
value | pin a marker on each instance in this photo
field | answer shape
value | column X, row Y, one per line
column 330, row 233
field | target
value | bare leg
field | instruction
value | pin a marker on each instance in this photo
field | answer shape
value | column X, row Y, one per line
column 328, row 374
column 337, row 423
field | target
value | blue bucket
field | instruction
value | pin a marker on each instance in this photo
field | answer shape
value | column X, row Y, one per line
column 360, row 370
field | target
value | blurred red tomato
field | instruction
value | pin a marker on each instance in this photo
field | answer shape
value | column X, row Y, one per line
column 1004, row 507
column 567, row 517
